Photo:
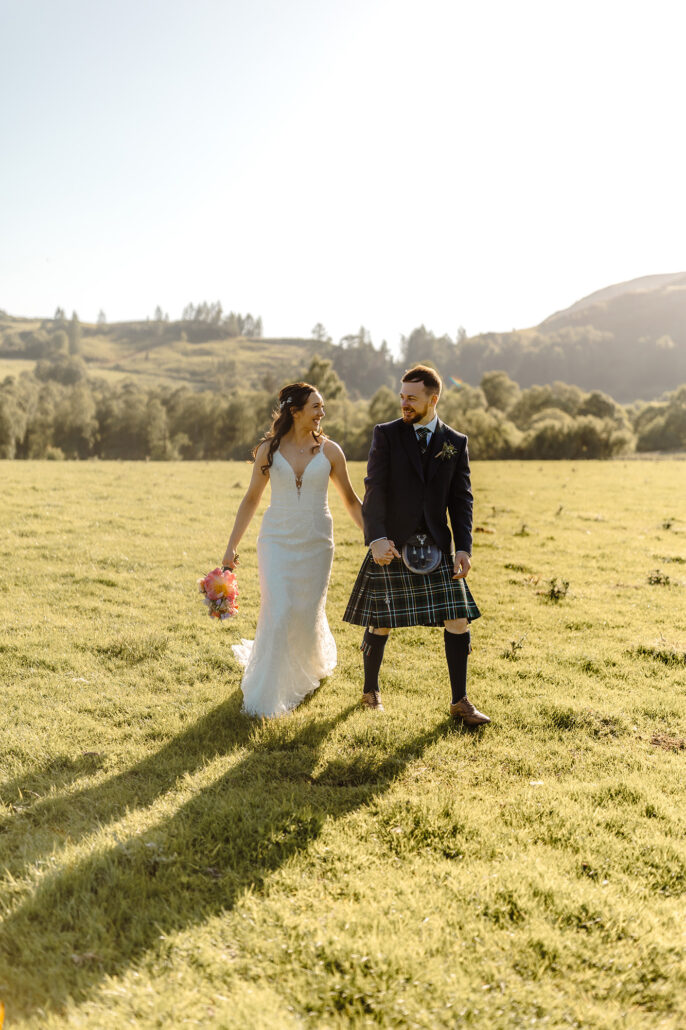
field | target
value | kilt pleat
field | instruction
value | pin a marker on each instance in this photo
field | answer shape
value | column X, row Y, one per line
column 391, row 596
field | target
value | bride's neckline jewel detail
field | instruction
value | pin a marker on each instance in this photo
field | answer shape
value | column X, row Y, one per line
column 299, row 477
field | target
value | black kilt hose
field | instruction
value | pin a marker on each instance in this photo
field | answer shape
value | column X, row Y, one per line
column 390, row 596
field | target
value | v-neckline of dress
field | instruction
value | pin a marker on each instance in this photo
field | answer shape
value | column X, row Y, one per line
column 299, row 478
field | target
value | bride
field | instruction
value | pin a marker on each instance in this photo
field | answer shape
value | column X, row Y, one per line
column 293, row 648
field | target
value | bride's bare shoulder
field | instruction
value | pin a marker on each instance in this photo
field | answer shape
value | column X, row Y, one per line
column 262, row 453
column 332, row 450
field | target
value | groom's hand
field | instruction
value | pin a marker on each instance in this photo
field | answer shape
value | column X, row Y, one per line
column 384, row 551
column 461, row 565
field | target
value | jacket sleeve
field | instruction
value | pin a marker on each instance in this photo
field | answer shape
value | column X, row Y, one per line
column 461, row 502
column 376, row 487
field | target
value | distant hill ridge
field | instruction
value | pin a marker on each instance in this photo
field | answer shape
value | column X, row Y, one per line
column 645, row 283
column 627, row 339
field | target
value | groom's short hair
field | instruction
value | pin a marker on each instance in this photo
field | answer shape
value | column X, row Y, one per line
column 426, row 375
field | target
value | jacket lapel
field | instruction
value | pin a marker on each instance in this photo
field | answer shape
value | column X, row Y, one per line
column 435, row 445
column 409, row 438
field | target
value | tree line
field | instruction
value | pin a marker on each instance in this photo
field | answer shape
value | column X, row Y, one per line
column 588, row 357
column 59, row 411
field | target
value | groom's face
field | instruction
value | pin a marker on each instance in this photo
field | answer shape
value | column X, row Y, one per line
column 415, row 401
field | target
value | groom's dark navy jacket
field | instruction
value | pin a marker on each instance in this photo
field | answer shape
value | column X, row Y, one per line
column 404, row 489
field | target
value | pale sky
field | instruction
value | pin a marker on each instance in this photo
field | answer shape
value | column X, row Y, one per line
column 383, row 163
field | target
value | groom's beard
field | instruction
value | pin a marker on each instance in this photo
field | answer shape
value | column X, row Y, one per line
column 414, row 416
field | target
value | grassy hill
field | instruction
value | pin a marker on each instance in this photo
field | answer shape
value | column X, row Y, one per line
column 647, row 284
column 628, row 340
column 633, row 312
column 202, row 356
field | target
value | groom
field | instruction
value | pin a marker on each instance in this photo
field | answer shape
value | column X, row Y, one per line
column 417, row 475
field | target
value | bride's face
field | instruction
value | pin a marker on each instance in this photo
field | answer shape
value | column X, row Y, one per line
column 311, row 414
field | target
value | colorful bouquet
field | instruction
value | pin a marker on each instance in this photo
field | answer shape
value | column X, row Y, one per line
column 220, row 593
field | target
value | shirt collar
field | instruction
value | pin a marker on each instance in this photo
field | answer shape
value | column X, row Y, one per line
column 431, row 426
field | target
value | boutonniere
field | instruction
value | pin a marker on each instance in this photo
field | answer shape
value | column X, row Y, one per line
column 447, row 452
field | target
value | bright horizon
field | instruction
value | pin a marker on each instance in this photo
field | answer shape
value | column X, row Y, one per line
column 359, row 163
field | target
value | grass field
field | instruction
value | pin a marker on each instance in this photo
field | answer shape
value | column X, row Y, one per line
column 167, row 861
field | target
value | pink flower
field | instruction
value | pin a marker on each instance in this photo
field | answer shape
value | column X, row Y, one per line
column 214, row 585
column 220, row 590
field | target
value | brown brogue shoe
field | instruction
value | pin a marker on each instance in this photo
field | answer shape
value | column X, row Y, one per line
column 466, row 711
column 372, row 700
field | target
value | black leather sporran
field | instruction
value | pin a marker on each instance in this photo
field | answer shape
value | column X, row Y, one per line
column 420, row 554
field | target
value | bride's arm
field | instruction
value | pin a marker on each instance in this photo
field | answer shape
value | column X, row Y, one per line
column 248, row 506
column 339, row 474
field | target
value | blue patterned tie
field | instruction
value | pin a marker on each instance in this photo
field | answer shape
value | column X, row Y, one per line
column 422, row 438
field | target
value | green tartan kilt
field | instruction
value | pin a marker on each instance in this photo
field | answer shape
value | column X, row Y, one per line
column 389, row 596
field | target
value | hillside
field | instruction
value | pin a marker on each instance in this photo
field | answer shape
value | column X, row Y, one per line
column 646, row 284
column 628, row 340
column 170, row 353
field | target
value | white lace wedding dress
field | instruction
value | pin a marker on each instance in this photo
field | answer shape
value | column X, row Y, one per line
column 293, row 648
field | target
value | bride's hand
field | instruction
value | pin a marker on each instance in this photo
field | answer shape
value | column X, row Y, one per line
column 230, row 559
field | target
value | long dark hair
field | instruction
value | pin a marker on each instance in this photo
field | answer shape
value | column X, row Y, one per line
column 291, row 398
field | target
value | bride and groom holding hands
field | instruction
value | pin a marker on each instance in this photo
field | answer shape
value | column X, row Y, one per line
column 417, row 476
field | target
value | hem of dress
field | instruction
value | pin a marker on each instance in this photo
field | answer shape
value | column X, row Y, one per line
column 253, row 713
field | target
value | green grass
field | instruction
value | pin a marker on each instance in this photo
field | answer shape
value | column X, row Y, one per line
column 168, row 861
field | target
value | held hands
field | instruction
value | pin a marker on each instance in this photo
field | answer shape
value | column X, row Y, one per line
column 462, row 563
column 384, row 551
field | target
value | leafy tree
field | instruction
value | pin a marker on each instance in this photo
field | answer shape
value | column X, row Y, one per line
column 320, row 334
column 490, row 434
column 500, row 391
column 40, row 430
column 322, row 375
column 423, row 347
column 384, row 406
column 562, row 436
column 456, row 404
column 74, row 333
column 74, row 423
column 233, row 327
column 65, row 369
column 155, row 430
column 59, row 344
column 661, row 426
column 599, row 405
column 536, row 398
column 10, row 427
column 361, row 366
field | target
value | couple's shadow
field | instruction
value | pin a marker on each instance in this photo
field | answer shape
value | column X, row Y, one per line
column 101, row 914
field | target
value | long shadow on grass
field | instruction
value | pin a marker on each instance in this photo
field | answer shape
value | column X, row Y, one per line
column 39, row 825
column 101, row 915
